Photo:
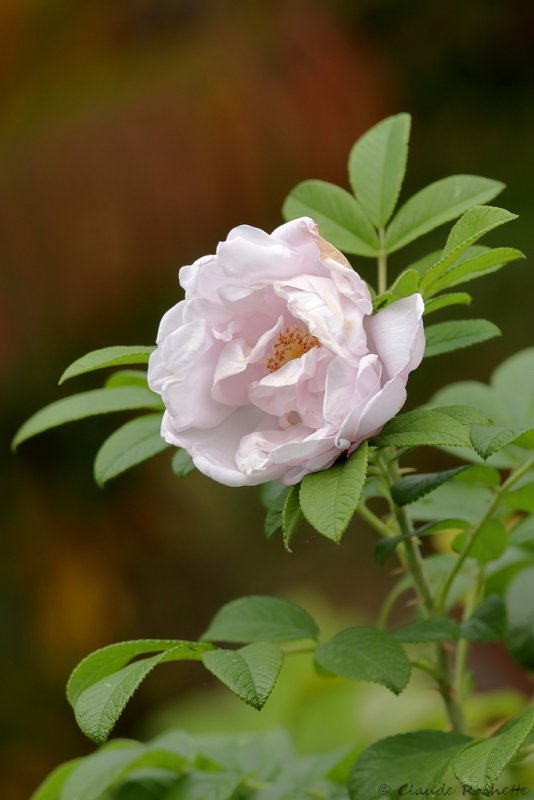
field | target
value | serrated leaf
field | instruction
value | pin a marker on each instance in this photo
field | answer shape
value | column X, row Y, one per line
column 487, row 623
column 249, row 672
column 472, row 226
column 444, row 337
column 422, row 427
column 377, row 164
column 489, row 439
column 447, row 300
column 428, row 630
column 490, row 543
column 329, row 499
column 110, row 659
column 420, row 759
column 256, row 619
column 100, row 703
column 50, row 788
column 86, row 404
column 340, row 217
column 481, row 762
column 291, row 516
column 366, row 654
column 385, row 547
column 134, row 442
column 410, row 488
column 107, row 357
column 182, row 463
column 436, row 204
column 467, row 415
column 482, row 264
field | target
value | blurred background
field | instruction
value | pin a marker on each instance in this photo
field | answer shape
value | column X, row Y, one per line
column 133, row 135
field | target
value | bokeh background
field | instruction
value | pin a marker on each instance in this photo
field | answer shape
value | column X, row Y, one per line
column 133, row 135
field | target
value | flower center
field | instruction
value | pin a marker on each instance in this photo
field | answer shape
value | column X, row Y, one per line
column 291, row 343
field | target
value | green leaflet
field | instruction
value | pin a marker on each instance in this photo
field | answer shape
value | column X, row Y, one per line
column 329, row 499
column 338, row 214
column 256, row 619
column 420, row 759
column 472, row 226
column 482, row 264
column 87, row 404
column 410, row 488
column 291, row 516
column 490, row 543
column 249, row 672
column 487, row 623
column 377, row 164
column 446, row 300
column 134, row 442
column 422, row 427
column 436, row 204
column 50, row 788
column 481, row 762
column 108, row 357
column 428, row 630
column 366, row 654
column 444, row 337
column 182, row 463
column 102, row 684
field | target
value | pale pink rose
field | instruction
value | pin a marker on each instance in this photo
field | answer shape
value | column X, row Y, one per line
column 274, row 365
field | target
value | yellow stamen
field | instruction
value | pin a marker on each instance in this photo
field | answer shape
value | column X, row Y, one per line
column 291, row 343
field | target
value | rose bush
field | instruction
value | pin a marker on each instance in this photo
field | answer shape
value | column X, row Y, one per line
column 274, row 364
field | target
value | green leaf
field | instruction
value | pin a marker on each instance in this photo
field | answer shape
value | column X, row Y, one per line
column 436, row 204
column 50, row 788
column 422, row 427
column 472, row 226
column 291, row 516
column 131, row 444
column 467, row 415
column 86, row 404
column 410, row 488
column 482, row 264
column 481, row 762
column 519, row 601
column 110, row 659
column 377, row 165
column 96, row 773
column 444, row 337
column 490, row 543
column 127, row 377
column 329, row 499
column 256, row 619
column 446, row 300
column 406, row 284
column 489, row 439
column 468, row 501
column 385, row 547
column 521, row 499
column 420, row 759
column 366, row 654
column 99, row 689
column 249, row 672
column 197, row 785
column 340, row 217
column 513, row 382
column 488, row 621
column 182, row 463
column 428, row 630
column 273, row 496
column 107, row 357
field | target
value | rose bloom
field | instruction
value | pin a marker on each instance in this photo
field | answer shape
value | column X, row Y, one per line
column 274, row 365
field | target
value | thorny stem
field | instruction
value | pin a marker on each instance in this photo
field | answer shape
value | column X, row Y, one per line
column 382, row 263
